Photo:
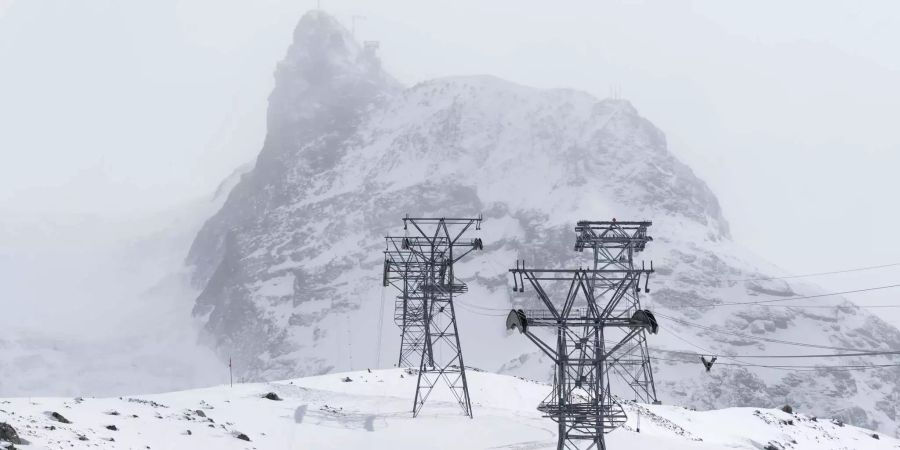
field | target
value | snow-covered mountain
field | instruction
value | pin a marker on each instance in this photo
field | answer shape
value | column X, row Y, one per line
column 290, row 266
column 371, row 410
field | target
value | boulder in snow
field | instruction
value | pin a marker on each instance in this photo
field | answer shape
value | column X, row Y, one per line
column 8, row 434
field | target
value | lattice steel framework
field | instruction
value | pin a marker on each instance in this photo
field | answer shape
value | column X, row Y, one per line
column 581, row 402
column 402, row 270
column 614, row 245
column 421, row 267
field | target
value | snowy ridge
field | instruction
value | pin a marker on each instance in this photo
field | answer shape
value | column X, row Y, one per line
column 290, row 267
column 372, row 411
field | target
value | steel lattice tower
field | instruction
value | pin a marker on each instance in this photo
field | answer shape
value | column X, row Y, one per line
column 402, row 270
column 421, row 267
column 595, row 327
column 614, row 245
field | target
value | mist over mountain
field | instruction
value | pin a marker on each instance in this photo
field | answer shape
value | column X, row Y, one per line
column 290, row 266
column 100, row 306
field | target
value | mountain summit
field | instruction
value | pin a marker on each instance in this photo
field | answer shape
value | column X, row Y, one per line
column 323, row 87
column 291, row 265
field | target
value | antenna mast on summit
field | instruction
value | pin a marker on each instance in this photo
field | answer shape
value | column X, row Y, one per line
column 353, row 20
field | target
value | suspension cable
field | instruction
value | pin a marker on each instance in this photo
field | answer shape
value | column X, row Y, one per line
column 759, row 338
column 802, row 297
column 814, row 274
column 797, row 368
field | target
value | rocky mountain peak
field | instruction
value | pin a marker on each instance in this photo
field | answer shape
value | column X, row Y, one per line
column 322, row 86
column 325, row 72
column 291, row 265
column 325, row 52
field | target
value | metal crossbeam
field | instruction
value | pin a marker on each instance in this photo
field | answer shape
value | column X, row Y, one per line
column 612, row 234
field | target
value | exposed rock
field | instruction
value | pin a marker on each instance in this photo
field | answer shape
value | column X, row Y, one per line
column 8, row 434
column 243, row 437
column 272, row 396
column 59, row 417
column 147, row 402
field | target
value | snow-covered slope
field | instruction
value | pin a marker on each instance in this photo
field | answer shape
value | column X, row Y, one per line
column 372, row 411
column 290, row 267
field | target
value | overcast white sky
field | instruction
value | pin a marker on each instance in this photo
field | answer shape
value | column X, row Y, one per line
column 787, row 109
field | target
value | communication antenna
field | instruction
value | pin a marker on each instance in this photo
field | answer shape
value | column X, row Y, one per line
column 353, row 20
column 615, row 92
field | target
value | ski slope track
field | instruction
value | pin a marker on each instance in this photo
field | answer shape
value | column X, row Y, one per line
column 372, row 410
column 290, row 266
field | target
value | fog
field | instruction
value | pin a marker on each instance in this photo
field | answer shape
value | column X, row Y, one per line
column 114, row 114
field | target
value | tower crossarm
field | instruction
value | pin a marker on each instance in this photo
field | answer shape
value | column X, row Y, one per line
column 449, row 228
column 590, row 283
column 540, row 318
column 436, row 250
column 567, row 274
column 612, row 235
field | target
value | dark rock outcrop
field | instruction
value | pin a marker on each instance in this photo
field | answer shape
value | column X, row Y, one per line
column 59, row 417
column 9, row 434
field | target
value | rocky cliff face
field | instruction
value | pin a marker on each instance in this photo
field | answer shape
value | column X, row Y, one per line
column 291, row 265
